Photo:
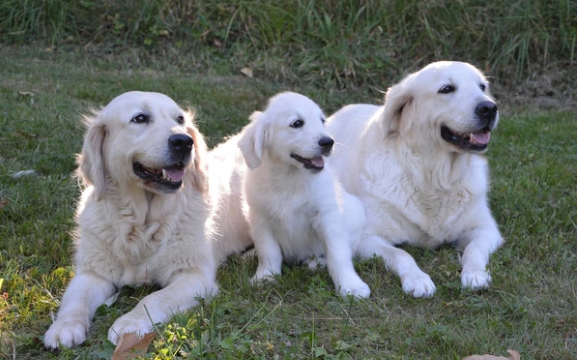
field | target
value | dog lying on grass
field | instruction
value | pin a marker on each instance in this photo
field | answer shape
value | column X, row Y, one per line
column 298, row 209
column 141, row 219
column 417, row 165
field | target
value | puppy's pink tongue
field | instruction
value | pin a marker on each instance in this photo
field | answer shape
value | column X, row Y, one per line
column 318, row 162
column 480, row 137
column 175, row 174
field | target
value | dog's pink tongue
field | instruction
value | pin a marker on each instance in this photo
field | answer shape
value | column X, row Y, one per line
column 318, row 162
column 176, row 174
column 480, row 137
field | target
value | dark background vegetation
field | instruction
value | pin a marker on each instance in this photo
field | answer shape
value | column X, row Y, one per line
column 341, row 43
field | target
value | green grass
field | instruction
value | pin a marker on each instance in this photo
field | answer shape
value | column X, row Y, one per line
column 339, row 42
column 531, row 306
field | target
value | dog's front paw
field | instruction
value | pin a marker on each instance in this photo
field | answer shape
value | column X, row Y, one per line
column 67, row 332
column 418, row 285
column 358, row 289
column 316, row 263
column 129, row 324
column 475, row 280
column 259, row 279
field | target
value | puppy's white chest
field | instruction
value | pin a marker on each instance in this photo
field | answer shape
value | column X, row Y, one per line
column 293, row 230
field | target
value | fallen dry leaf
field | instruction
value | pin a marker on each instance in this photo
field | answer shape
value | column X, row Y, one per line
column 26, row 93
column 131, row 346
column 247, row 72
column 514, row 356
column 26, row 135
column 2, row 204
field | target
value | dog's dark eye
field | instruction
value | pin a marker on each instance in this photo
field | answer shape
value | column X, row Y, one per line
column 483, row 87
column 140, row 119
column 180, row 119
column 323, row 120
column 297, row 123
column 447, row 89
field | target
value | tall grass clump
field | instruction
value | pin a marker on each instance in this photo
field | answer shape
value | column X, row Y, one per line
column 347, row 42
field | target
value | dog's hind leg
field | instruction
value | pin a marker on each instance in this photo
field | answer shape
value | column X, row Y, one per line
column 414, row 281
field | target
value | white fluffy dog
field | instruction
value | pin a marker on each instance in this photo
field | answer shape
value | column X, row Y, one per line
column 141, row 219
column 297, row 208
column 417, row 166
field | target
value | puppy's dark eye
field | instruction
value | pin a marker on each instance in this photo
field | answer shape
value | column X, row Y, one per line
column 140, row 119
column 323, row 120
column 446, row 89
column 483, row 87
column 180, row 119
column 297, row 123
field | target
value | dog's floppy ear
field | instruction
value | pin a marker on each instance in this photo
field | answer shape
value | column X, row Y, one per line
column 90, row 161
column 252, row 140
column 398, row 99
column 200, row 179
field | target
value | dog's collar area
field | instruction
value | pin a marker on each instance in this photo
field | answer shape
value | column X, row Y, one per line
column 474, row 142
column 169, row 178
column 316, row 164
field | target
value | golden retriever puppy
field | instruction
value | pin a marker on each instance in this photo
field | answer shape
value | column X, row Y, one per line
column 141, row 219
column 297, row 208
column 417, row 165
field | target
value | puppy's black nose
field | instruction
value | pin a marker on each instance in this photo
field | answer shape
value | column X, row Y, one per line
column 486, row 111
column 326, row 143
column 180, row 143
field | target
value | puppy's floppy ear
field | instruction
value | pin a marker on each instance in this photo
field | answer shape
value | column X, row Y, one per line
column 252, row 139
column 90, row 161
column 200, row 179
column 398, row 99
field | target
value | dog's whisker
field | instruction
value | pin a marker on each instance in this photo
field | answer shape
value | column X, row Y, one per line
column 341, row 144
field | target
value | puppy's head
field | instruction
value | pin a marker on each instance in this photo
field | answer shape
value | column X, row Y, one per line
column 291, row 130
column 143, row 139
column 445, row 104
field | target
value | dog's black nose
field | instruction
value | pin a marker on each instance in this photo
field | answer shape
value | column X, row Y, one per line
column 486, row 111
column 326, row 143
column 180, row 143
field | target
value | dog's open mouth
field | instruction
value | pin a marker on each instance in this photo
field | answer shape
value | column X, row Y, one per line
column 475, row 141
column 316, row 164
column 169, row 177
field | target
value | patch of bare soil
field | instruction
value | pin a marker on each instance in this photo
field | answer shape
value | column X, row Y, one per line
column 553, row 87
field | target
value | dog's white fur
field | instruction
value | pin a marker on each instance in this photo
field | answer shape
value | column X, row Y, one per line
column 416, row 187
column 294, row 213
column 227, row 170
column 129, row 233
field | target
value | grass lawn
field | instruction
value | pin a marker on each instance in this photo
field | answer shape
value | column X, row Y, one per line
column 531, row 306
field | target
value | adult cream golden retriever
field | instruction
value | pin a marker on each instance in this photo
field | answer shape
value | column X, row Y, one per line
column 417, row 165
column 143, row 217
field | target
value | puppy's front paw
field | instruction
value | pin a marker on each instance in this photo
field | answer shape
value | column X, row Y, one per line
column 259, row 279
column 418, row 285
column 67, row 332
column 129, row 324
column 358, row 289
column 316, row 263
column 475, row 280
